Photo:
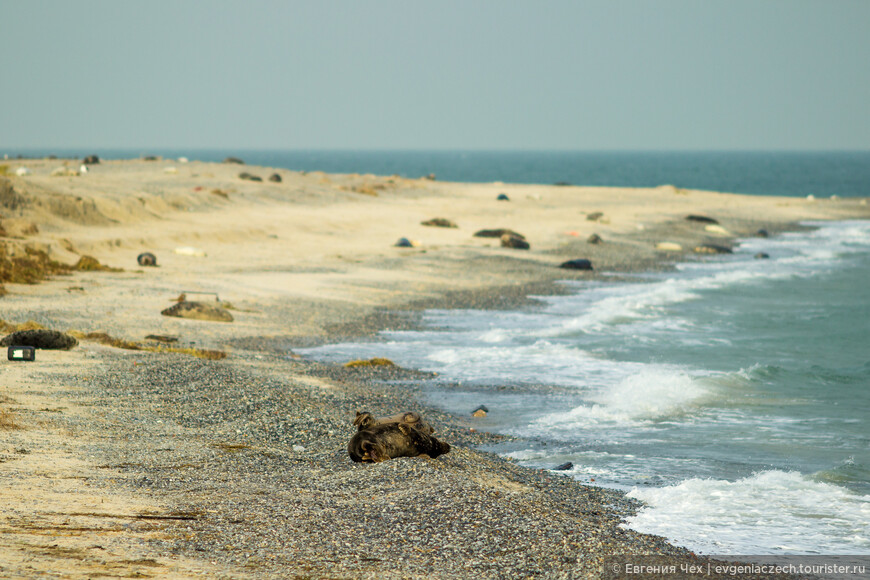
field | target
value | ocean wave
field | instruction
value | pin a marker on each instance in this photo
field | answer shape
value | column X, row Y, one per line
column 772, row 512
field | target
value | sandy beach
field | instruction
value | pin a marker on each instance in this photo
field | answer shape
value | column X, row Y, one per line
column 150, row 463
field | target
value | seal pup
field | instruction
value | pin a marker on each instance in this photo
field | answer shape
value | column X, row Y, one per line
column 147, row 259
column 365, row 420
column 402, row 435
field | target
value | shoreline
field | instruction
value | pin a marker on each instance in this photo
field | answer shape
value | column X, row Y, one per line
column 207, row 447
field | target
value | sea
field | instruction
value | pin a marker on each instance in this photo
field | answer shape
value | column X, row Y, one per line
column 731, row 395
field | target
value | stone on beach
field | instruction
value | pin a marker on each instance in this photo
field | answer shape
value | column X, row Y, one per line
column 198, row 311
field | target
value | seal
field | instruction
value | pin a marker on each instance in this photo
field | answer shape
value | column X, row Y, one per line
column 198, row 311
column 147, row 259
column 401, row 435
column 40, row 338
column 365, row 420
column 514, row 241
column 578, row 264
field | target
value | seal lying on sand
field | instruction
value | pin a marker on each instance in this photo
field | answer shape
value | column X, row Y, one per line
column 40, row 338
column 402, row 435
column 147, row 259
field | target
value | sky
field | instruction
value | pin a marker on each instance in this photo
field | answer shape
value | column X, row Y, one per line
column 452, row 74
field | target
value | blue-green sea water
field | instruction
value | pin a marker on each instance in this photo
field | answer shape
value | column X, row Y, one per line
column 732, row 396
column 822, row 174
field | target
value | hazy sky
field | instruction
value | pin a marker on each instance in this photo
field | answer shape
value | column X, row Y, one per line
column 500, row 74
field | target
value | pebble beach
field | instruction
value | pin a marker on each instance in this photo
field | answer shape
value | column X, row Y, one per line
column 139, row 457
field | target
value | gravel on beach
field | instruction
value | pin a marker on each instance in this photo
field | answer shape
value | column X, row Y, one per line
column 252, row 465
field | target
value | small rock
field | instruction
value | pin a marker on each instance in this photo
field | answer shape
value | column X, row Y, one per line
column 669, row 247
column 514, row 241
column 481, row 411
column 298, row 448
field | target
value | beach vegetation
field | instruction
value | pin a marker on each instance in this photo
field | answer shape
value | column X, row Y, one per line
column 91, row 264
column 8, row 421
column 373, row 362
column 7, row 327
column 33, row 267
column 108, row 340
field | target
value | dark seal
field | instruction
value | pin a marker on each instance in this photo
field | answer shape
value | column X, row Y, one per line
column 147, row 259
column 701, row 219
column 42, row 338
column 578, row 264
column 514, row 241
column 402, row 435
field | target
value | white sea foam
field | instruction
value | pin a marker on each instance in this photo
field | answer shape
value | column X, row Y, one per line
column 656, row 393
column 772, row 512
